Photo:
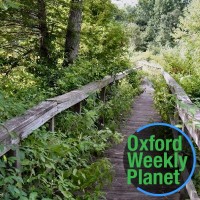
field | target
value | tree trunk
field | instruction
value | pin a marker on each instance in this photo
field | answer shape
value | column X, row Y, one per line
column 44, row 34
column 72, row 39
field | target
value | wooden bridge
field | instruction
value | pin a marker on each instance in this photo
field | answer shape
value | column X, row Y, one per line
column 143, row 112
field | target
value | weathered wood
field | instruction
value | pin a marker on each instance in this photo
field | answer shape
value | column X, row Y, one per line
column 176, row 89
column 73, row 97
column 19, row 122
column 142, row 113
column 18, row 128
column 15, row 152
column 191, row 190
column 101, row 119
column 103, row 94
column 77, row 108
column 190, row 187
column 150, row 65
column 184, row 104
column 52, row 124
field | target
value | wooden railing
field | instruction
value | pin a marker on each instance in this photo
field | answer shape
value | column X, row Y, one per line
column 18, row 128
column 187, row 111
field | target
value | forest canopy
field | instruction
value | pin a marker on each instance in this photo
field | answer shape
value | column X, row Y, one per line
column 51, row 47
column 154, row 21
column 35, row 40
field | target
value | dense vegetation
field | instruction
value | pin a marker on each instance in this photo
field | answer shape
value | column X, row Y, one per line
column 153, row 22
column 27, row 76
column 69, row 163
column 49, row 48
column 172, row 39
column 179, row 53
column 43, row 55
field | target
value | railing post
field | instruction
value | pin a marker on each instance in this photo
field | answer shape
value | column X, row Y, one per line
column 77, row 108
column 102, row 95
column 15, row 152
column 52, row 124
column 17, row 155
column 175, row 120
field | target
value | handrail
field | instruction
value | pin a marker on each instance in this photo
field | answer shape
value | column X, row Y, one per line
column 189, row 120
column 18, row 128
column 185, row 109
column 184, row 105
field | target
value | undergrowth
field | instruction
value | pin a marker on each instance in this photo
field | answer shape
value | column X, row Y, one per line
column 69, row 163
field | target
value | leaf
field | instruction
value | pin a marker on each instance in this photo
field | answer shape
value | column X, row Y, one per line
column 33, row 196
column 74, row 172
column 25, row 162
column 64, row 192
column 179, row 125
column 46, row 199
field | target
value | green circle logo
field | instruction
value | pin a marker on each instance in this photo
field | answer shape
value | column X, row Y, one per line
column 155, row 158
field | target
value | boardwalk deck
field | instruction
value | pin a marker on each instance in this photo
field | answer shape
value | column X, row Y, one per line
column 142, row 113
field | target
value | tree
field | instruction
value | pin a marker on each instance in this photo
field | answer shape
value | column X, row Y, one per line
column 187, row 36
column 44, row 49
column 157, row 19
column 72, row 39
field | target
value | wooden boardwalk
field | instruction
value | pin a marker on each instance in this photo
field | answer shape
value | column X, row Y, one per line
column 143, row 112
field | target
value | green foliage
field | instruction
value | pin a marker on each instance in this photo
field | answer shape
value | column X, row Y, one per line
column 19, row 91
column 156, row 20
column 68, row 163
column 103, row 39
column 187, row 35
column 183, row 60
column 115, row 109
column 25, row 80
column 6, row 4
column 164, row 101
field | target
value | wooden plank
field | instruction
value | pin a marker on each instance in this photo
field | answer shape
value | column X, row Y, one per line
column 189, row 120
column 190, row 125
column 103, row 94
column 119, row 190
column 184, row 104
column 82, row 93
column 101, row 120
column 144, row 63
column 191, row 190
column 77, row 108
column 20, row 132
column 70, row 100
column 177, row 89
column 18, row 128
column 52, row 124
column 17, row 123
column 15, row 153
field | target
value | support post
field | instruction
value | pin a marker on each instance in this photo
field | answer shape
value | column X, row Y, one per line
column 15, row 152
column 103, row 94
column 175, row 120
column 52, row 124
column 101, row 120
column 117, row 83
column 17, row 155
column 77, row 108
